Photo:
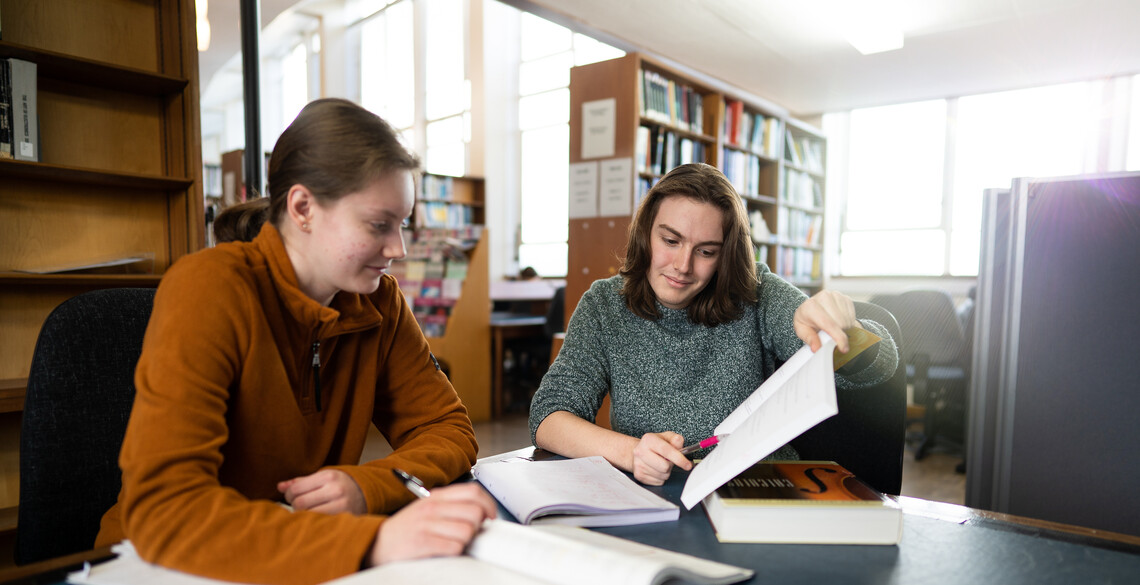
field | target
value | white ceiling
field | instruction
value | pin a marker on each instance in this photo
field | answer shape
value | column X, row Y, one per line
column 792, row 52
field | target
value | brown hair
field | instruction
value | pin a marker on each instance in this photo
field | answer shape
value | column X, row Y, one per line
column 241, row 222
column 333, row 147
column 734, row 282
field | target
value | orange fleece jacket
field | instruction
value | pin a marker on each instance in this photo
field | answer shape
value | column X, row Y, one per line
column 225, row 409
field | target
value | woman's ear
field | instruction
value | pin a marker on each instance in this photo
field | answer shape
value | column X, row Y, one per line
column 299, row 205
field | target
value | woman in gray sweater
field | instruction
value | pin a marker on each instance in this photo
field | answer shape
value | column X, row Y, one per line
column 688, row 329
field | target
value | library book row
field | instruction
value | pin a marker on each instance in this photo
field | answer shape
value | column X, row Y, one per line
column 19, row 122
column 431, row 275
column 796, row 265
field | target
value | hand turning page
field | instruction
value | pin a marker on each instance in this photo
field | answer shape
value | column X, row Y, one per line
column 795, row 398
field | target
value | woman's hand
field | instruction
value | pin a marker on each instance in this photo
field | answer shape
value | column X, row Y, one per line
column 440, row 526
column 828, row 311
column 329, row 491
column 656, row 454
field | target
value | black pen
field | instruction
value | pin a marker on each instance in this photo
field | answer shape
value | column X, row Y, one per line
column 411, row 482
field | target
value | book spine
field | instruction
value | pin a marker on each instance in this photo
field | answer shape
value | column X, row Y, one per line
column 25, row 126
column 5, row 110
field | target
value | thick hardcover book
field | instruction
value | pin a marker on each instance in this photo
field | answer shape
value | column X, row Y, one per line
column 25, row 122
column 585, row 491
column 817, row 502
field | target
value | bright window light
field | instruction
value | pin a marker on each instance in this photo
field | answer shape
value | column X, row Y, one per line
column 1039, row 132
column 548, row 52
column 294, row 83
column 1132, row 163
column 895, row 166
column 387, row 75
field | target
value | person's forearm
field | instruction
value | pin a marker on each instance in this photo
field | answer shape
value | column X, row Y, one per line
column 570, row 436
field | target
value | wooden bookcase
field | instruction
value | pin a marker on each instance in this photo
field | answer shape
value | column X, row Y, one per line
column 448, row 219
column 768, row 172
column 749, row 140
column 120, row 170
column 799, row 251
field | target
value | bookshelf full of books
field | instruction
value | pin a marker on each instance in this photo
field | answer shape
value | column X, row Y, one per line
column 801, row 211
column 664, row 117
column 749, row 157
column 103, row 187
column 444, row 278
column 674, row 128
column 660, row 120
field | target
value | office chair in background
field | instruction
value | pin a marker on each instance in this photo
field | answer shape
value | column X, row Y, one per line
column 79, row 396
column 869, row 433
column 937, row 359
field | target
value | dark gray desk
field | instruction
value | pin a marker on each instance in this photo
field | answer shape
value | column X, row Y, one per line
column 941, row 543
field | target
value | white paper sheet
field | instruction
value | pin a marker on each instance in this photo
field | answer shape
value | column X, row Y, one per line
column 599, row 118
column 583, row 190
column 616, row 178
column 797, row 397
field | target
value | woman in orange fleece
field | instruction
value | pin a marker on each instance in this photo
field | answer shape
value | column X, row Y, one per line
column 266, row 362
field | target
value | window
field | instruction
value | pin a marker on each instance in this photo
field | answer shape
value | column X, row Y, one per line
column 387, row 74
column 388, row 81
column 447, row 90
column 548, row 51
column 1133, row 152
column 894, row 199
column 916, row 171
column 1040, row 132
column 294, row 83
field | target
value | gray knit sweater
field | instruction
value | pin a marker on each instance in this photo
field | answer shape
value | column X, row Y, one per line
column 674, row 375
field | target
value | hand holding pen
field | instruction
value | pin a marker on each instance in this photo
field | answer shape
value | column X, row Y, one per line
column 411, row 482
column 656, row 454
column 441, row 522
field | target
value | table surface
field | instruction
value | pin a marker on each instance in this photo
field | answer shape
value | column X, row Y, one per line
column 941, row 543
column 505, row 319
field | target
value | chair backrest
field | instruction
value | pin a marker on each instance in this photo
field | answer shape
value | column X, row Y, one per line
column 867, row 436
column 79, row 396
column 930, row 325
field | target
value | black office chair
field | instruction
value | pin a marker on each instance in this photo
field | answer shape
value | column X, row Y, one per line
column 937, row 361
column 79, row 396
column 869, row 433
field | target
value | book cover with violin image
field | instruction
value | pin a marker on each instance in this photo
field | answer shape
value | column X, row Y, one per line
column 817, row 502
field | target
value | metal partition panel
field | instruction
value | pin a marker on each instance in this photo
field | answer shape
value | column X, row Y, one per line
column 989, row 311
column 1066, row 432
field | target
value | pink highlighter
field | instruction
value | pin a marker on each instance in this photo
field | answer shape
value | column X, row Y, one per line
column 704, row 444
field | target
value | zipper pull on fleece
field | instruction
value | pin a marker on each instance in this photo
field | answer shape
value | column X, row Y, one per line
column 317, row 372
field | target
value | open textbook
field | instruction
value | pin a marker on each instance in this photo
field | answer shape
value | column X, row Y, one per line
column 798, row 396
column 505, row 553
column 585, row 491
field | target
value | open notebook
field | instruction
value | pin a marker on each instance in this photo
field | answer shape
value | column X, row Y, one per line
column 586, row 491
column 504, row 553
